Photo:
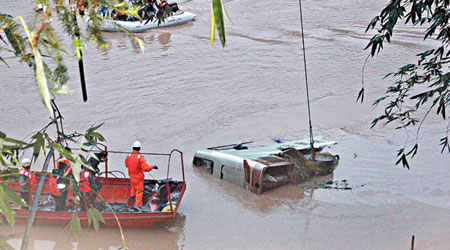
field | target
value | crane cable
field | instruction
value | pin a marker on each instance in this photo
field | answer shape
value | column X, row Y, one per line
column 311, row 137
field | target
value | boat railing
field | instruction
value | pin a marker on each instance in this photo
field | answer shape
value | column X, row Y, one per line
column 169, row 155
column 168, row 173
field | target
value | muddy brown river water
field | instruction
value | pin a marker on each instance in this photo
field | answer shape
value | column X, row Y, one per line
column 182, row 93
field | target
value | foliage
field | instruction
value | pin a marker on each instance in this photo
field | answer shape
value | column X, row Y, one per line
column 7, row 195
column 43, row 37
column 420, row 88
column 94, row 217
column 217, row 22
column 74, row 225
column 5, row 245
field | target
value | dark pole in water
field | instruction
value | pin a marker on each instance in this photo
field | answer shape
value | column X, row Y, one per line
column 80, row 60
column 311, row 137
column 412, row 242
column 26, row 234
column 83, row 82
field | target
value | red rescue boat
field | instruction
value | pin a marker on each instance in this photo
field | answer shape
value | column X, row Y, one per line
column 114, row 190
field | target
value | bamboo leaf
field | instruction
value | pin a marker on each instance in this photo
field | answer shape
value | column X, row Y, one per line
column 21, row 143
column 5, row 209
column 42, row 81
column 12, row 195
column 360, row 95
column 218, row 18
column 213, row 26
column 78, row 47
column 98, row 136
column 63, row 151
column 140, row 43
column 226, row 13
column 74, row 224
column 91, row 129
column 76, row 169
column 89, row 217
column 95, row 216
column 1, row 59
column 98, row 215
column 39, row 70
column 5, row 245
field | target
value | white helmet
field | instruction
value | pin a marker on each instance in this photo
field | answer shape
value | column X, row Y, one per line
column 26, row 162
column 136, row 144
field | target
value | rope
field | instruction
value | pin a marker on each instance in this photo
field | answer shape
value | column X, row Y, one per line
column 128, row 152
column 311, row 137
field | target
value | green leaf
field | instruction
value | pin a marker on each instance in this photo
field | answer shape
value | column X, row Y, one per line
column 5, row 209
column 91, row 129
column 74, row 224
column 360, row 95
column 14, row 196
column 21, row 143
column 5, row 245
column 42, row 81
column 76, row 169
column 2, row 135
column 95, row 216
column 38, row 144
column 98, row 136
column 1, row 59
column 218, row 19
column 63, row 151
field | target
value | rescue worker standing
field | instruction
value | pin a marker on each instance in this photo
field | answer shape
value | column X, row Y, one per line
column 137, row 165
column 26, row 179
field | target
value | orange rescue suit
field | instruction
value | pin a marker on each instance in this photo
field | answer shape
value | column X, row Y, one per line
column 137, row 165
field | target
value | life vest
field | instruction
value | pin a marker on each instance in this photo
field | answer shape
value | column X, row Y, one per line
column 62, row 163
column 85, row 185
column 28, row 175
column 54, row 190
column 163, row 5
column 137, row 165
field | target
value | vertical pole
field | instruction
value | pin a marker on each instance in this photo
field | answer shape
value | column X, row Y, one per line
column 80, row 61
column 311, row 137
column 182, row 167
column 412, row 242
column 26, row 234
column 106, row 163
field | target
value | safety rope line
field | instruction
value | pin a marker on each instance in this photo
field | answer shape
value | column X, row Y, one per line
column 311, row 137
column 127, row 152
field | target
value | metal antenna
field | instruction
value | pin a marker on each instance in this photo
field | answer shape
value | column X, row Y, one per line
column 311, row 137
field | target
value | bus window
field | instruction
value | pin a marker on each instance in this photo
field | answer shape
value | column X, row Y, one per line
column 203, row 163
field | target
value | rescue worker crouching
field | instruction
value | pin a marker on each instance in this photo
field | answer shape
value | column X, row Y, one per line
column 137, row 165
column 95, row 161
column 89, row 186
column 26, row 179
column 59, row 188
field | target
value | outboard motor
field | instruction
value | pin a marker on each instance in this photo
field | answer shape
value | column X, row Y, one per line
column 174, row 7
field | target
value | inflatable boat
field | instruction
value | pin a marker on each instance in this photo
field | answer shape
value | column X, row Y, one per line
column 137, row 26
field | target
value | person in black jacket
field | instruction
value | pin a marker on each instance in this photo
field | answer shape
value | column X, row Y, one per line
column 93, row 162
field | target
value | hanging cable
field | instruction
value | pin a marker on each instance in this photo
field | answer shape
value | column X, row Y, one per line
column 311, row 137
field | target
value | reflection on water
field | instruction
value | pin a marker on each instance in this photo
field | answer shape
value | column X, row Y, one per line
column 293, row 196
column 164, row 235
column 123, row 42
